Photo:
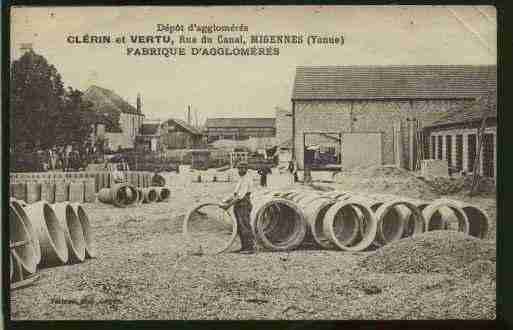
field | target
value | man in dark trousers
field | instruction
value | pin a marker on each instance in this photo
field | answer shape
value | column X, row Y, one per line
column 263, row 171
column 241, row 201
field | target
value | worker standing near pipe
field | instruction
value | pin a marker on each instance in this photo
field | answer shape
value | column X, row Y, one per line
column 241, row 201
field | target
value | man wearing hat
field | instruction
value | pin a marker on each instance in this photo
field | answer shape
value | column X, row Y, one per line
column 241, row 201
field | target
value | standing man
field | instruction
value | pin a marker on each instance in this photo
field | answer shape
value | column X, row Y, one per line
column 293, row 169
column 263, row 171
column 241, row 201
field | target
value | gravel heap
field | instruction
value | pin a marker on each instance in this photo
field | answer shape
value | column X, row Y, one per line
column 385, row 179
column 434, row 251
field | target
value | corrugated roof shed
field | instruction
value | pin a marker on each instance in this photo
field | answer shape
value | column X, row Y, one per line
column 466, row 115
column 393, row 82
column 241, row 122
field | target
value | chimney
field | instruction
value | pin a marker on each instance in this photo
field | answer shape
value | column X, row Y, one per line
column 139, row 103
column 189, row 114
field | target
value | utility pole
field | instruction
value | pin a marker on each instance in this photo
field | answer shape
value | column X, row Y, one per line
column 189, row 114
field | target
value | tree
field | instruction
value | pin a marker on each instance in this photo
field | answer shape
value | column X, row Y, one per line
column 42, row 113
column 76, row 116
column 36, row 97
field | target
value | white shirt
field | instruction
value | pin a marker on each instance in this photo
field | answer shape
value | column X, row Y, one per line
column 244, row 186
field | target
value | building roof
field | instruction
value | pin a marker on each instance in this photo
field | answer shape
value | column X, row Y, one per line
column 186, row 126
column 105, row 100
column 465, row 115
column 393, row 82
column 149, row 128
column 241, row 122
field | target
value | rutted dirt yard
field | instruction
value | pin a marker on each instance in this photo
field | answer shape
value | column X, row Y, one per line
column 143, row 271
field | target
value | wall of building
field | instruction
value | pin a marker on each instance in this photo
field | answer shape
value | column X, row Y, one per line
column 377, row 116
column 175, row 137
column 466, row 161
column 239, row 133
column 116, row 140
column 283, row 125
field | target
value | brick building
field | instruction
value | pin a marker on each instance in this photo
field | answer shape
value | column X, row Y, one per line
column 454, row 139
column 239, row 128
column 359, row 113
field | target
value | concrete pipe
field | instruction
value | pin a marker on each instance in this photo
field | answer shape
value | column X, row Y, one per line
column 120, row 195
column 347, row 208
column 72, row 231
column 149, row 195
column 19, row 209
column 163, row 193
column 289, row 228
column 192, row 236
column 83, row 218
column 140, row 196
column 394, row 217
column 479, row 222
column 444, row 214
column 315, row 211
column 50, row 233
column 21, row 243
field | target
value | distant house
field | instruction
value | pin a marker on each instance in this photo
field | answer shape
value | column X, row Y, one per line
column 454, row 138
column 169, row 135
column 130, row 118
column 239, row 128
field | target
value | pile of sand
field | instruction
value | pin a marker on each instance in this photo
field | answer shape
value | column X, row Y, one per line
column 385, row 179
column 435, row 251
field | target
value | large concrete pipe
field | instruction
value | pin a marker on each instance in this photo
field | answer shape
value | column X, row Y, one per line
column 290, row 228
column 72, row 230
column 478, row 220
column 19, row 208
column 50, row 233
column 393, row 217
column 149, row 195
column 120, row 195
column 213, row 237
column 140, row 196
column 83, row 218
column 444, row 214
column 163, row 193
column 21, row 243
column 315, row 211
column 342, row 214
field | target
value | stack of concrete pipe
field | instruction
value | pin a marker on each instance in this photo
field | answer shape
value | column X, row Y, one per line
column 348, row 221
column 80, row 187
column 46, row 235
column 123, row 195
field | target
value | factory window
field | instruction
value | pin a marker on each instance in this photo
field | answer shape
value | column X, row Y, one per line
column 448, row 149
column 433, row 147
column 459, row 152
column 471, row 152
column 488, row 155
column 439, row 150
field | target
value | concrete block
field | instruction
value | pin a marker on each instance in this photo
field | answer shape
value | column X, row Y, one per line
column 89, row 191
column 33, row 192
column 76, row 191
column 48, row 191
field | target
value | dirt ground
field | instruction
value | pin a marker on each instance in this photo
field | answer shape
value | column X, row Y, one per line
column 144, row 271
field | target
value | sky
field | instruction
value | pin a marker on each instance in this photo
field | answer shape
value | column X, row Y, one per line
column 239, row 86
